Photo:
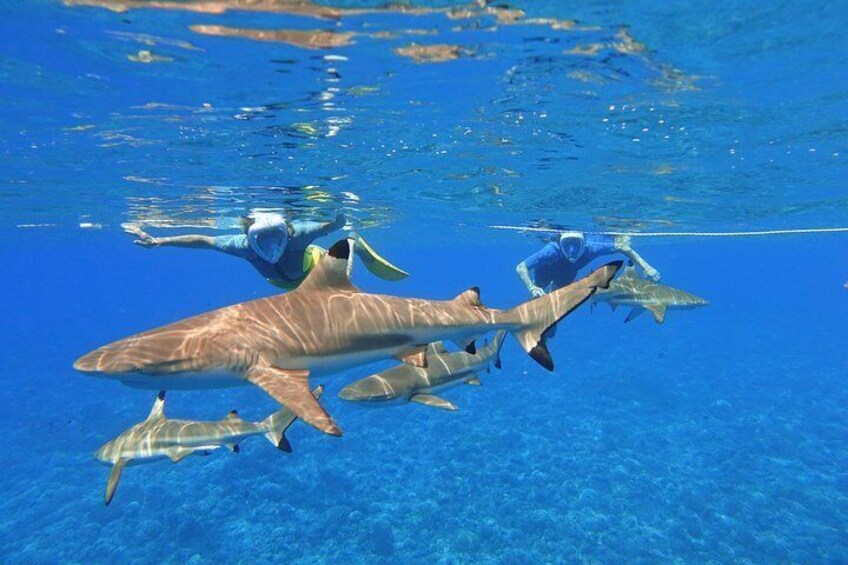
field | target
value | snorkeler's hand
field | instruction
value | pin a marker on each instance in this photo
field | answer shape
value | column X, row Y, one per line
column 652, row 274
column 536, row 292
column 144, row 239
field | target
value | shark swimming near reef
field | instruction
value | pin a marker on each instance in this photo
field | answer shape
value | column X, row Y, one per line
column 159, row 437
column 418, row 384
column 642, row 294
column 324, row 326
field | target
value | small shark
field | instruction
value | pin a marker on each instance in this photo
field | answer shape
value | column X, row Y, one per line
column 417, row 384
column 158, row 437
column 642, row 294
column 324, row 326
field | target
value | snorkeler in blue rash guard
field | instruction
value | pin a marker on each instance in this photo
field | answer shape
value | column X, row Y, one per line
column 281, row 250
column 558, row 263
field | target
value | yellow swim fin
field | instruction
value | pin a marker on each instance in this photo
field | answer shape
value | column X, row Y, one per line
column 377, row 264
column 311, row 257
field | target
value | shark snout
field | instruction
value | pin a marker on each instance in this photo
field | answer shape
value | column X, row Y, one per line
column 103, row 454
column 89, row 363
column 373, row 388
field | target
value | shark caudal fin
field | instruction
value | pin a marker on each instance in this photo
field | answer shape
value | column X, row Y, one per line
column 497, row 343
column 537, row 315
column 280, row 421
column 492, row 351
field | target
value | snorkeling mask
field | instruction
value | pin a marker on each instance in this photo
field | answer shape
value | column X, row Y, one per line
column 268, row 235
column 572, row 244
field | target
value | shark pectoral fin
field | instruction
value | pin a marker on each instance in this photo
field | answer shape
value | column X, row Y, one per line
column 279, row 422
column 114, row 477
column 658, row 310
column 179, row 454
column 434, row 401
column 474, row 381
column 291, row 389
column 613, row 306
column 416, row 357
column 634, row 313
column 375, row 263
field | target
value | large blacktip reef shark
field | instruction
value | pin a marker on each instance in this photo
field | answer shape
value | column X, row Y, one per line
column 642, row 294
column 323, row 326
column 418, row 384
column 158, row 438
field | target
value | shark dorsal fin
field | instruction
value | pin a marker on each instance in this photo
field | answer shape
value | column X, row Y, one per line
column 158, row 410
column 467, row 344
column 233, row 416
column 436, row 347
column 417, row 357
column 629, row 272
column 333, row 270
column 470, row 297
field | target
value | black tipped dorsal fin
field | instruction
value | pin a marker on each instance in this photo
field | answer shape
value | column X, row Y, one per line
column 468, row 344
column 417, row 357
column 470, row 297
column 232, row 417
column 333, row 270
column 158, row 410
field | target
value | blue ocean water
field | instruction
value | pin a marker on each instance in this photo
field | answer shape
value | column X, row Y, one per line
column 720, row 436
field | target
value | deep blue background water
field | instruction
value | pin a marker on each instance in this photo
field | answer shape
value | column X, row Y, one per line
column 720, row 436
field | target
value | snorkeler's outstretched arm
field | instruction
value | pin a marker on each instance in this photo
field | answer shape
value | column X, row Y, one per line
column 335, row 225
column 524, row 274
column 308, row 231
column 622, row 243
column 191, row 240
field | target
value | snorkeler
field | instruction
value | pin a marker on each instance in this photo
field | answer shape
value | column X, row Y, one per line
column 281, row 250
column 557, row 263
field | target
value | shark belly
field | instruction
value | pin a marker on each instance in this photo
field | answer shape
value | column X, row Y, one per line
column 454, row 380
column 182, row 381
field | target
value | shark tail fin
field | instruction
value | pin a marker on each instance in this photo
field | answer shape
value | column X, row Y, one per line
column 536, row 316
column 280, row 421
column 497, row 343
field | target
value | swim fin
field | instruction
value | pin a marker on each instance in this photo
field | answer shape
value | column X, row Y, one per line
column 376, row 263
